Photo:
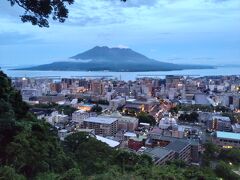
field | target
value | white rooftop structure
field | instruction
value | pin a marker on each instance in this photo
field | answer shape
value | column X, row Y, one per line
column 80, row 111
column 63, row 131
column 109, row 142
column 167, row 122
column 74, row 101
column 228, row 135
column 145, row 124
column 236, row 128
column 223, row 118
column 130, row 134
column 101, row 120
column 61, row 102
column 117, row 114
column 131, row 100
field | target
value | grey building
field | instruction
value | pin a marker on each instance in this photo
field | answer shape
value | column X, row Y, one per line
column 105, row 126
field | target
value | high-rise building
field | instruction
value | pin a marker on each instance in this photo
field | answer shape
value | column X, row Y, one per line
column 97, row 87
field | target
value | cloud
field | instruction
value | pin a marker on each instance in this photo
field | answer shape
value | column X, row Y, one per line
column 161, row 29
column 134, row 3
column 13, row 38
column 122, row 46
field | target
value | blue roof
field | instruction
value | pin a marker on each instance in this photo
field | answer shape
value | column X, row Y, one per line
column 228, row 135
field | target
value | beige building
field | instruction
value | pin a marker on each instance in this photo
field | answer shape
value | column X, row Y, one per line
column 124, row 122
column 105, row 126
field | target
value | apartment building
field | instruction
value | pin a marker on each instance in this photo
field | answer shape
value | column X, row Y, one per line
column 104, row 126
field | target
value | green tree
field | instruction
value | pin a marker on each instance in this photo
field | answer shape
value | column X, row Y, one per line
column 72, row 174
column 210, row 153
column 38, row 12
column 47, row 176
column 92, row 156
column 192, row 117
column 222, row 109
column 129, row 161
column 28, row 145
column 231, row 155
column 224, row 171
column 146, row 118
column 96, row 108
column 9, row 173
column 35, row 150
column 66, row 109
column 167, row 172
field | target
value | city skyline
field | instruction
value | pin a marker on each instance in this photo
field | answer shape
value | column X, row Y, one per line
column 184, row 31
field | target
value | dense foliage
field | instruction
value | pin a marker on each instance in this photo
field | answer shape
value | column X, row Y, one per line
column 96, row 108
column 65, row 109
column 146, row 118
column 30, row 149
column 192, row 117
column 199, row 107
column 38, row 12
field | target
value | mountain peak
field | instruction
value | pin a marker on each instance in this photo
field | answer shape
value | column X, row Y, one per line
column 114, row 47
column 113, row 59
column 101, row 47
column 100, row 53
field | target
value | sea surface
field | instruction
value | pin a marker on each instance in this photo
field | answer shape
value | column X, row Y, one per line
column 126, row 76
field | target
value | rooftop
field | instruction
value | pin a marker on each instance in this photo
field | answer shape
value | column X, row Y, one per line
column 101, row 120
column 139, row 138
column 109, row 142
column 177, row 145
column 80, row 111
column 130, row 134
column 223, row 118
column 201, row 99
column 228, row 135
column 157, row 152
column 131, row 100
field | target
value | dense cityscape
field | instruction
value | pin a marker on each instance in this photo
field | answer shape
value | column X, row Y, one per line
column 171, row 118
column 119, row 90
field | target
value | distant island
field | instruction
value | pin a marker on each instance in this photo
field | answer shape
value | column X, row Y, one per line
column 112, row 59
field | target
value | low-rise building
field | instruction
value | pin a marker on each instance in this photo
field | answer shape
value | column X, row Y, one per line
column 116, row 103
column 136, row 143
column 182, row 150
column 60, row 118
column 185, row 149
column 226, row 139
column 140, row 104
column 236, row 128
column 219, row 123
column 79, row 115
column 126, row 123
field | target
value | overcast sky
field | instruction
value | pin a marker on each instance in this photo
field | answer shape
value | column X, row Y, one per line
column 177, row 31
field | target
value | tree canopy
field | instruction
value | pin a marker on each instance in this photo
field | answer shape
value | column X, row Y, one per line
column 146, row 118
column 192, row 117
column 38, row 12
